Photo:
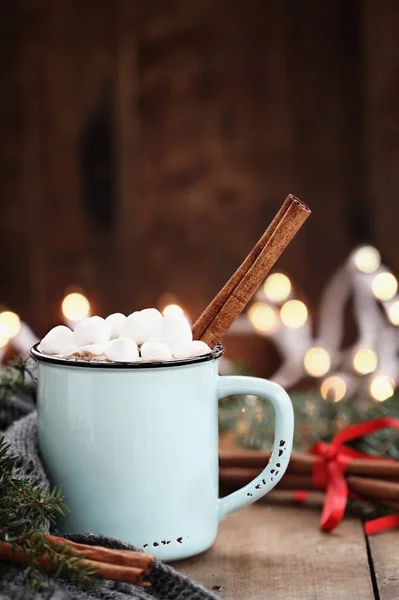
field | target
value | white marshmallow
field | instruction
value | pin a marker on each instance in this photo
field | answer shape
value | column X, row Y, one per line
column 188, row 349
column 175, row 328
column 181, row 349
column 199, row 348
column 122, row 350
column 91, row 330
column 142, row 325
column 156, row 351
column 115, row 321
column 69, row 349
column 95, row 349
column 56, row 339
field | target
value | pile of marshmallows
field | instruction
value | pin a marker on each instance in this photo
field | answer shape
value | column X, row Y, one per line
column 144, row 335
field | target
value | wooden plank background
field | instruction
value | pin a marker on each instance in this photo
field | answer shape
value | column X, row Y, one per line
column 385, row 562
column 146, row 145
column 278, row 552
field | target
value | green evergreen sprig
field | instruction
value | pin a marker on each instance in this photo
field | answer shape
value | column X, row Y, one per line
column 24, row 511
column 15, row 378
column 251, row 420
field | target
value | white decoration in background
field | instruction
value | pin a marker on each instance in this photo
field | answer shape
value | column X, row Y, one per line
column 24, row 340
column 15, row 333
column 372, row 361
column 289, row 327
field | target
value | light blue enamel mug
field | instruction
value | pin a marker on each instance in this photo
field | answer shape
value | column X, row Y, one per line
column 135, row 447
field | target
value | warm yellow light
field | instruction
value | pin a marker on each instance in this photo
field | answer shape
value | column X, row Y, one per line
column 333, row 388
column 277, row 287
column 4, row 337
column 75, row 306
column 10, row 323
column 367, row 259
column 382, row 387
column 393, row 313
column 317, row 362
column 365, row 361
column 263, row 317
column 172, row 309
column 294, row 313
column 384, row 286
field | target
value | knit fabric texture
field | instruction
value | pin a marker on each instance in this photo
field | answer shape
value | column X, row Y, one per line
column 18, row 413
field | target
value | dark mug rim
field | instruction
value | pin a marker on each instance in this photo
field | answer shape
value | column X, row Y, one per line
column 166, row 364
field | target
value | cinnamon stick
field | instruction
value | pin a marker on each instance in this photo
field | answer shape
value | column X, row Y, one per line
column 127, row 558
column 117, row 565
column 235, row 295
column 202, row 324
column 236, row 478
column 367, row 486
column 304, row 463
column 364, row 486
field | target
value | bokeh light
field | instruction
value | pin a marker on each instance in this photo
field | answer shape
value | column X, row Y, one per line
column 382, row 387
column 263, row 317
column 294, row 313
column 277, row 287
column 4, row 338
column 367, row 259
column 393, row 313
column 75, row 306
column 365, row 361
column 10, row 323
column 172, row 309
column 384, row 286
column 317, row 362
column 333, row 388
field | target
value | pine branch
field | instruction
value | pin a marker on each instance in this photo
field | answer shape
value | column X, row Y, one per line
column 252, row 421
column 24, row 511
column 13, row 378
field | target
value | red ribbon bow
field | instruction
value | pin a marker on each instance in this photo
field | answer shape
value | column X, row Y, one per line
column 329, row 473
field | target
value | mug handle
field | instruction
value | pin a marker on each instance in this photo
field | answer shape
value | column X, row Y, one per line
column 283, row 437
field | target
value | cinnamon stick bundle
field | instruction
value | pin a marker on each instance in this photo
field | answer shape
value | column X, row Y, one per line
column 235, row 478
column 117, row 565
column 237, row 292
column 304, row 463
column 374, row 480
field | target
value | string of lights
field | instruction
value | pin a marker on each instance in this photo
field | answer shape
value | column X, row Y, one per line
column 371, row 364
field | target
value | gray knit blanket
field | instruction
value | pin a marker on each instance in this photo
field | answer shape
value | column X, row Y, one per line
column 18, row 422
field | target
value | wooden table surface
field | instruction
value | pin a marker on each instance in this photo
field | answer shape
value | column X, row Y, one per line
column 277, row 552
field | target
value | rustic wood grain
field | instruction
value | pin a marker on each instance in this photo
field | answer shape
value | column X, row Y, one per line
column 129, row 193
column 385, row 560
column 207, row 114
column 326, row 139
column 278, row 552
column 381, row 123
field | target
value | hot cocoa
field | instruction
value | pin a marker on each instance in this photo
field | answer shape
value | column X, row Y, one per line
column 145, row 335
